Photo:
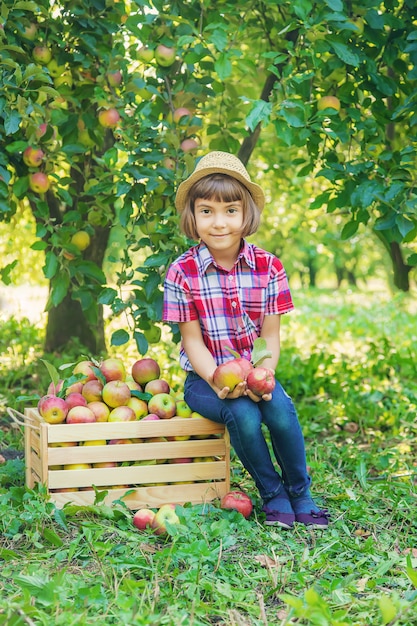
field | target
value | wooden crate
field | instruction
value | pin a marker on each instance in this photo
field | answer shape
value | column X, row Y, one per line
column 149, row 472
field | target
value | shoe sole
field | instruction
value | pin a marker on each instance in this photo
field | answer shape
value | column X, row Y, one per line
column 280, row 524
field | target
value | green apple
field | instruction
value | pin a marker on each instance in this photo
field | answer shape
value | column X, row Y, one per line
column 165, row 515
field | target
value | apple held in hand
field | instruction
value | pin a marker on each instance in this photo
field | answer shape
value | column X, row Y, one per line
column 163, row 404
column 143, row 518
column 166, row 514
column 261, row 380
column 229, row 374
column 239, row 501
column 53, row 409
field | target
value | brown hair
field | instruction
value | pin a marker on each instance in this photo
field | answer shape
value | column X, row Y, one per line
column 220, row 188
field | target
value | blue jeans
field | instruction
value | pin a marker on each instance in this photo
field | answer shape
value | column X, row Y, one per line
column 243, row 419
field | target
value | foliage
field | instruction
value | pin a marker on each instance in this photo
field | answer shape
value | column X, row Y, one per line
column 239, row 69
column 350, row 363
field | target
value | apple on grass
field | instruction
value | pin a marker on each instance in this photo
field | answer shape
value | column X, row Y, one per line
column 239, row 501
column 143, row 518
column 80, row 415
column 166, row 515
column 53, row 409
column 163, row 404
column 116, row 393
column 145, row 370
column 261, row 380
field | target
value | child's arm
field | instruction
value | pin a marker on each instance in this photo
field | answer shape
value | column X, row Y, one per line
column 202, row 360
column 270, row 331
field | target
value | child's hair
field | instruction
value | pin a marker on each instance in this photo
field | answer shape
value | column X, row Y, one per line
column 220, row 188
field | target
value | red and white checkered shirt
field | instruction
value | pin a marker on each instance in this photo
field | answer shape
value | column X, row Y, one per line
column 230, row 305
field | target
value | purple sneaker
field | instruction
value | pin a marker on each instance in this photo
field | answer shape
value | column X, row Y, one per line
column 276, row 518
column 314, row 519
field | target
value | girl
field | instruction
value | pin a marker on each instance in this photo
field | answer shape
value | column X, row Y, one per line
column 224, row 292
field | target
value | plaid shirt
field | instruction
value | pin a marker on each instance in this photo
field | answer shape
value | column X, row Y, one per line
column 230, row 305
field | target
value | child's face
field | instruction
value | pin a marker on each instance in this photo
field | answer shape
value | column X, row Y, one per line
column 219, row 224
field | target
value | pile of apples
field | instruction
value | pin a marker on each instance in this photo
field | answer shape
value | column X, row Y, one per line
column 106, row 392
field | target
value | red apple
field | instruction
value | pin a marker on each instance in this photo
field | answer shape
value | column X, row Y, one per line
column 122, row 414
column 39, row 182
column 85, row 368
column 109, row 118
column 74, row 388
column 92, row 390
column 179, row 113
column 143, row 519
column 239, row 501
column 53, row 409
column 158, row 385
column 229, row 374
column 163, row 404
column 114, row 78
column 165, row 56
column 188, row 145
column 106, row 464
column 41, row 130
column 54, row 389
column 119, row 442
column 42, row 54
column 181, row 460
column 261, row 380
column 150, row 417
column 33, row 157
column 100, row 410
column 113, row 369
column 80, row 415
column 166, row 514
column 140, row 407
column 116, row 393
column 245, row 365
column 133, row 385
column 145, row 370
column 328, row 102
column 75, row 399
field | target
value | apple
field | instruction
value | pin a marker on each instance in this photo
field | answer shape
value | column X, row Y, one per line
column 33, row 157
column 140, row 407
column 122, row 414
column 182, row 409
column 158, row 385
column 92, row 390
column 239, row 501
column 42, row 54
column 53, row 409
column 229, row 374
column 113, row 369
column 85, row 368
column 94, row 442
column 261, row 380
column 41, row 130
column 145, row 54
column 109, row 118
column 245, row 365
column 75, row 399
column 105, row 464
column 145, row 370
column 114, row 78
column 188, row 145
column 100, row 410
column 63, row 444
column 165, row 56
column 179, row 113
column 55, row 389
column 77, row 466
column 151, row 417
column 74, row 388
column 81, row 240
column 133, row 385
column 166, row 514
column 163, row 404
column 181, row 460
column 116, row 393
column 39, row 182
column 328, row 102
column 80, row 415
column 30, row 32
column 54, row 69
column 143, row 518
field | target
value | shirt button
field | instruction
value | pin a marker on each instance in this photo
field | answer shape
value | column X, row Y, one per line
column 230, row 278
column 234, row 304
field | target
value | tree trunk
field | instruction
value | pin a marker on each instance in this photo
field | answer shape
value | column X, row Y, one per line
column 401, row 269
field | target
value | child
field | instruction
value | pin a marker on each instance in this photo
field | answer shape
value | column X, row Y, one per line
column 226, row 292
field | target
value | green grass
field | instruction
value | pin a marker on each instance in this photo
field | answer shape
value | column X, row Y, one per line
column 348, row 359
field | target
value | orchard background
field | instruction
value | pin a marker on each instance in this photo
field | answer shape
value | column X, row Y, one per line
column 98, row 125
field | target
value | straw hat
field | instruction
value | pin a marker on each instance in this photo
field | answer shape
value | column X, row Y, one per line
column 219, row 163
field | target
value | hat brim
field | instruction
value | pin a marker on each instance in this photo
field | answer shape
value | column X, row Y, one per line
column 182, row 192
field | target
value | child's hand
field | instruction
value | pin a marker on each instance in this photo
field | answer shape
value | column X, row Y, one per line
column 238, row 391
column 267, row 396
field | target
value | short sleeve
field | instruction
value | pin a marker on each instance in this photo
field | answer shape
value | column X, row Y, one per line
column 279, row 300
column 178, row 300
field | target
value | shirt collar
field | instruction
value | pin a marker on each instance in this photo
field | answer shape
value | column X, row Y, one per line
column 204, row 258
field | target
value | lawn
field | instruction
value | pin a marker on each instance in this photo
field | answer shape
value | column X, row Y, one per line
column 349, row 361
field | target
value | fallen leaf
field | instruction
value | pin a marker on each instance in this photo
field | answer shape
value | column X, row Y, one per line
column 266, row 561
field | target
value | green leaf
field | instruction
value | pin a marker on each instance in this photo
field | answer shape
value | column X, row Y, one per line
column 51, row 265
column 349, row 229
column 259, row 351
column 233, row 352
column 223, row 66
column 52, row 537
column 387, row 608
column 411, row 572
column 12, row 121
column 260, row 112
column 6, row 271
column 405, row 225
column 53, row 372
column 345, row 54
column 119, row 337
